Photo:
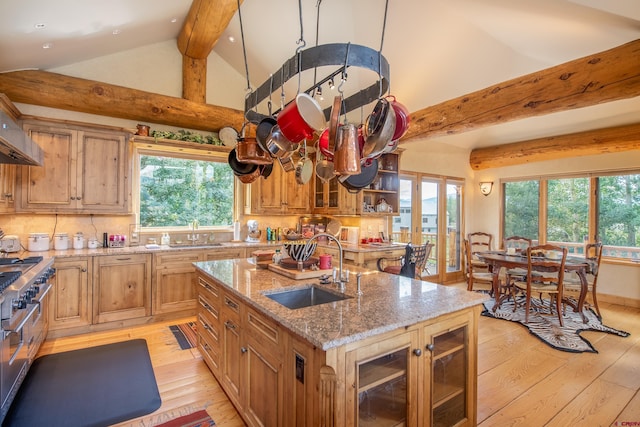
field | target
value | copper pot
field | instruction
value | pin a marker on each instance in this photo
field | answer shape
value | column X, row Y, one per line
column 249, row 151
column 347, row 156
column 143, row 130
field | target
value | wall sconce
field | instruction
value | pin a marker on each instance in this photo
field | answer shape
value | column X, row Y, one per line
column 486, row 187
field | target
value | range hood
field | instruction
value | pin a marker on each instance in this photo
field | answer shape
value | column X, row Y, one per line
column 15, row 145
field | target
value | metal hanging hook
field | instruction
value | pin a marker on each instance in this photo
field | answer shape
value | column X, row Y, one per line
column 269, row 105
column 301, row 44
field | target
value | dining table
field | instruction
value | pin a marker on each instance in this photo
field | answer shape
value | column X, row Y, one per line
column 496, row 260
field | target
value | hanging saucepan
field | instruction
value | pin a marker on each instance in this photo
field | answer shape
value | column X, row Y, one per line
column 265, row 170
column 249, row 177
column 240, row 168
column 402, row 118
column 249, row 151
column 278, row 145
column 355, row 183
column 346, row 159
column 324, row 168
column 378, row 129
column 304, row 168
column 263, row 130
column 300, row 118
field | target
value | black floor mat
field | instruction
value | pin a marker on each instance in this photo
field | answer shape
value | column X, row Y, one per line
column 96, row 386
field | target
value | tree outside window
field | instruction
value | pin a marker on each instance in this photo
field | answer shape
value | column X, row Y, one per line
column 619, row 214
column 521, row 200
column 176, row 191
column 567, row 210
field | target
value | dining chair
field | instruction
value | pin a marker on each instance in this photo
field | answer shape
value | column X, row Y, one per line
column 411, row 264
column 520, row 244
column 479, row 242
column 593, row 254
column 474, row 274
column 545, row 275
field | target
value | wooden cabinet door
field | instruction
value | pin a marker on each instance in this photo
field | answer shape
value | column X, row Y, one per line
column 383, row 379
column 7, row 187
column 296, row 196
column 449, row 387
column 266, row 194
column 121, row 287
column 101, row 173
column 50, row 187
column 69, row 304
column 174, row 284
column 265, row 386
column 233, row 361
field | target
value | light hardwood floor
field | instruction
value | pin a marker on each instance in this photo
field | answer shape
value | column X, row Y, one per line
column 521, row 381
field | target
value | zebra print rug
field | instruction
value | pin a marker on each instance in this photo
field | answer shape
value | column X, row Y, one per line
column 545, row 326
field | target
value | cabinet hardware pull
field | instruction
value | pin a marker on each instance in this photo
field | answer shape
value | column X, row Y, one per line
column 8, row 195
column 229, row 325
column 123, row 259
column 73, row 198
column 206, row 347
column 430, row 347
column 243, row 350
column 417, row 352
column 204, row 325
column 78, row 198
column 232, row 304
column 83, row 270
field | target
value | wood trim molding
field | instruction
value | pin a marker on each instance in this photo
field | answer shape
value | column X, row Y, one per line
column 602, row 77
column 594, row 142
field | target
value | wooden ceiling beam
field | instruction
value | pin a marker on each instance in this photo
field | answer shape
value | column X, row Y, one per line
column 588, row 143
column 205, row 23
column 89, row 96
column 603, row 77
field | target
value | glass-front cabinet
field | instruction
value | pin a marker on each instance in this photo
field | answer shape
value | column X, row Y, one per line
column 385, row 378
column 423, row 377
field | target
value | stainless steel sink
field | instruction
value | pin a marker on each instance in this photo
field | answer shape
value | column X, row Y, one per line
column 193, row 245
column 306, row 297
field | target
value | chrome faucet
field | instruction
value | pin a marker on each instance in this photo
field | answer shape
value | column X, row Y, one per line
column 338, row 280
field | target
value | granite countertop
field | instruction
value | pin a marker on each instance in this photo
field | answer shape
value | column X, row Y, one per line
column 371, row 247
column 388, row 301
column 144, row 250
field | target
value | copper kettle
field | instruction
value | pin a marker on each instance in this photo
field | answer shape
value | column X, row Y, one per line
column 346, row 158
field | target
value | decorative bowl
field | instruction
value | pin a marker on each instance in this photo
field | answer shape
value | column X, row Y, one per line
column 297, row 250
column 293, row 236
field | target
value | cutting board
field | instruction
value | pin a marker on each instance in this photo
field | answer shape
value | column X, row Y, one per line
column 299, row 275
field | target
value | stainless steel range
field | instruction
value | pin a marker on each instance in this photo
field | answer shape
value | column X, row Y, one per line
column 24, row 285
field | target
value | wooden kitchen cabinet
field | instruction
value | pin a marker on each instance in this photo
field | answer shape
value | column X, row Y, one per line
column 209, row 324
column 278, row 194
column 84, row 171
column 332, row 198
column 7, row 187
column 174, row 281
column 69, row 300
column 121, row 287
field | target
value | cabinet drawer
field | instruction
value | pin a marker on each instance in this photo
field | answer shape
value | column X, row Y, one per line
column 209, row 328
column 227, row 253
column 263, row 330
column 231, row 305
column 210, row 352
column 210, row 290
column 206, row 306
column 163, row 260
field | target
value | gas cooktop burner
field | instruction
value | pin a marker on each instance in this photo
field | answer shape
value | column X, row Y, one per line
column 28, row 260
column 7, row 278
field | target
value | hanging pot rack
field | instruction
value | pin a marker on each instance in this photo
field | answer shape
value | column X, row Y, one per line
column 344, row 55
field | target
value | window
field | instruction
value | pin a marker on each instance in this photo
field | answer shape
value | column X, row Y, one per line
column 175, row 191
column 570, row 203
column 619, row 215
column 521, row 209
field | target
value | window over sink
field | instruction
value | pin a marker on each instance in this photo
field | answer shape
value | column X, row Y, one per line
column 174, row 190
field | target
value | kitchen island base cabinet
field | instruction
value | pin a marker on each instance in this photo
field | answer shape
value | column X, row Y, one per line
column 70, row 296
column 121, row 287
column 420, row 375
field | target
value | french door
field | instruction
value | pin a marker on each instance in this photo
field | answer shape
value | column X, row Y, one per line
column 430, row 210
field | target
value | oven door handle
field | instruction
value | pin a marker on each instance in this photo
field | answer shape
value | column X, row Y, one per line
column 24, row 320
column 44, row 291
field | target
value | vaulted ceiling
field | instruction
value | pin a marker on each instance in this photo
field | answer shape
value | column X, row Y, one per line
column 439, row 50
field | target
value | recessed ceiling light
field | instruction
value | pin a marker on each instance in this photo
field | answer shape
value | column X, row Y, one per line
column 116, row 31
column 174, row 20
column 232, row 39
column 47, row 45
column 40, row 26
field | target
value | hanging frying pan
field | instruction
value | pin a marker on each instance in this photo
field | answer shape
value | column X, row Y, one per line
column 240, row 168
column 355, row 183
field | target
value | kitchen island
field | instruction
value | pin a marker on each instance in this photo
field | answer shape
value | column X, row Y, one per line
column 401, row 353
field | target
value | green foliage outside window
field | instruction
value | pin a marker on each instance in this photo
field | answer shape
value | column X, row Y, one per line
column 521, row 209
column 568, row 210
column 175, row 192
column 619, row 210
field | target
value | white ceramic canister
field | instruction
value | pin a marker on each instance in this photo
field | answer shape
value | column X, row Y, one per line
column 92, row 243
column 38, row 242
column 78, row 241
column 61, row 241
